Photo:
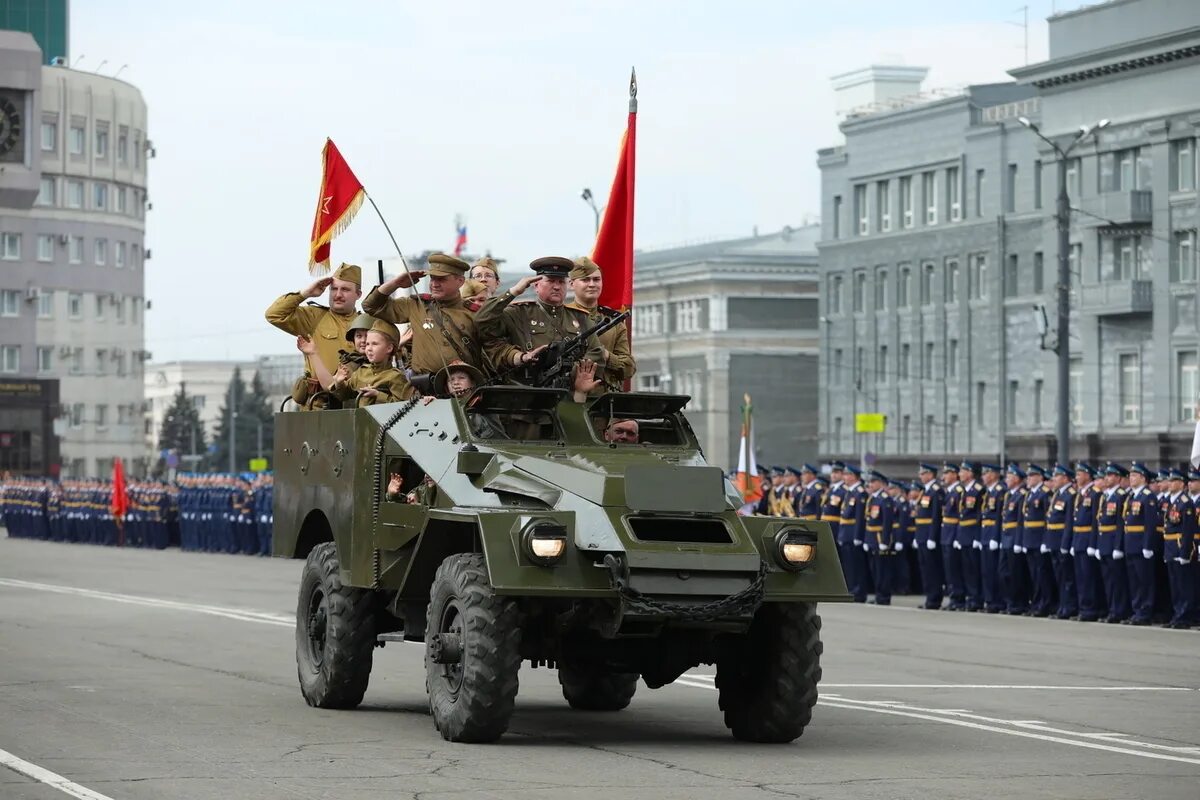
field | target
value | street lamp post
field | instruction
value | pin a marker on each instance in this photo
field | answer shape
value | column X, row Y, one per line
column 587, row 197
column 1062, row 218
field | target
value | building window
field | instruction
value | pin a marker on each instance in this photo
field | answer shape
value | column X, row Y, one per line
column 860, row 291
column 835, row 295
column 1074, row 170
column 881, row 365
column 649, row 382
column 101, row 416
column 137, row 148
column 1075, row 390
column 1128, row 261
column 77, row 361
column 119, row 255
column 906, row 202
column 648, row 322
column 75, row 305
column 119, row 357
column 929, row 185
column 952, row 434
column 75, row 194
column 981, row 405
column 954, row 193
column 904, row 430
column 1183, row 261
column 45, row 359
column 1010, row 409
column 1039, row 387
column 980, row 181
column 881, row 290
column 1130, row 388
column 47, row 196
column 1118, row 170
column 10, row 358
column 49, row 136
column 687, row 316
column 927, row 283
column 904, row 287
column 837, row 216
column 837, row 433
column 1037, row 184
column 1183, row 161
column 839, row 364
column 100, row 196
column 76, row 140
column 101, row 142
column 1010, row 189
column 46, row 304
column 905, row 361
column 10, row 303
column 1186, row 378
column 859, row 358
column 927, row 434
column 1011, row 272
column 45, row 247
column 691, row 383
column 10, row 246
column 100, row 300
column 119, row 303
column 100, row 252
column 101, row 359
column 1038, row 272
column 135, row 303
column 119, row 194
column 951, row 280
column 75, row 250
column 884, row 204
column 860, row 209
column 927, row 362
column 952, row 359
column 977, row 267
column 1074, row 262
column 123, row 145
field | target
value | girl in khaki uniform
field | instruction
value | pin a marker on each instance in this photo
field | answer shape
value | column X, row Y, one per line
column 377, row 381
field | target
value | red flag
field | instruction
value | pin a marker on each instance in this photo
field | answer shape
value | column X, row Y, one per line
column 339, row 200
column 613, row 252
column 120, row 500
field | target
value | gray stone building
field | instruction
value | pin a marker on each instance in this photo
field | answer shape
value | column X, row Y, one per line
column 73, row 149
column 938, row 254
column 723, row 319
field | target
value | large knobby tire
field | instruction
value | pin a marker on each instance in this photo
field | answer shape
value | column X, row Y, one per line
column 590, row 688
column 472, row 700
column 768, row 684
column 335, row 634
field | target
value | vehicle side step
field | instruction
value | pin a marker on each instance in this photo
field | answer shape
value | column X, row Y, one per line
column 394, row 636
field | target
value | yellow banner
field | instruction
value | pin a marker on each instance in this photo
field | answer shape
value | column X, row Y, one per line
column 870, row 423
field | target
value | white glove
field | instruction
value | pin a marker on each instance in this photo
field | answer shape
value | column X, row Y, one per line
column 1044, row 550
column 866, row 548
column 1147, row 554
column 899, row 547
column 1098, row 556
column 1062, row 551
column 857, row 542
column 883, row 548
column 1118, row 555
column 957, row 546
column 930, row 544
column 993, row 545
column 978, row 545
column 1091, row 551
column 1181, row 561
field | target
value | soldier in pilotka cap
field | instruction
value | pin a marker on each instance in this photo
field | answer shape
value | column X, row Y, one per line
column 326, row 326
column 587, row 283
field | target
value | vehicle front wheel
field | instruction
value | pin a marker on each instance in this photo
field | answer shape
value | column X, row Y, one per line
column 472, row 652
column 767, row 683
column 591, row 688
column 335, row 634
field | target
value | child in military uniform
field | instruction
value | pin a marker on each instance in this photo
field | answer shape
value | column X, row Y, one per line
column 377, row 381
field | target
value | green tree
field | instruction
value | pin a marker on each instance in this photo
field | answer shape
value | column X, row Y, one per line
column 182, row 430
column 253, row 411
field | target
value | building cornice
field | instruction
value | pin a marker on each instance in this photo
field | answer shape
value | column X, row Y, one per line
column 1128, row 57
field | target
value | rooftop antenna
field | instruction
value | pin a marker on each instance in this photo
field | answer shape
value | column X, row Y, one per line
column 102, row 63
column 122, row 69
column 82, row 56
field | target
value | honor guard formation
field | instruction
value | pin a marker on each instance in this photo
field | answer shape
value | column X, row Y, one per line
column 1117, row 544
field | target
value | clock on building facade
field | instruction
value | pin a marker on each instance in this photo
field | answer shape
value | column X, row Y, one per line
column 12, row 126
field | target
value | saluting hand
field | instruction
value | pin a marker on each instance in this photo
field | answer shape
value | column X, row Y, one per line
column 523, row 284
column 317, row 288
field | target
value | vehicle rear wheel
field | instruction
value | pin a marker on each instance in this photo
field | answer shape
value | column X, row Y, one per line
column 472, row 652
column 335, row 634
column 591, row 688
column 767, row 684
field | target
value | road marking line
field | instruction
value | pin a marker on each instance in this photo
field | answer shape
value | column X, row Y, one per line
column 49, row 778
column 239, row 614
column 939, row 715
column 1008, row 686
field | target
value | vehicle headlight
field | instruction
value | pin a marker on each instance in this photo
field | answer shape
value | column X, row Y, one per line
column 544, row 542
column 795, row 548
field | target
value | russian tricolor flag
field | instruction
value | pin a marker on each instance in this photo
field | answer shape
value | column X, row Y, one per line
column 460, row 239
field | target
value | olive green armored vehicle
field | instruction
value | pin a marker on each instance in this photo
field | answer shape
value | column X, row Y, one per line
column 506, row 529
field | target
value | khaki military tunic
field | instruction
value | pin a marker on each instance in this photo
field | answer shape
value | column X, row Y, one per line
column 621, row 365
column 434, row 324
column 323, row 326
column 508, row 328
column 390, row 382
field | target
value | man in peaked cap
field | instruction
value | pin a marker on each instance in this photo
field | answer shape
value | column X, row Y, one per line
column 951, row 547
column 515, row 333
column 1142, row 542
column 880, row 537
column 586, row 284
column 1012, row 569
column 969, row 541
column 851, row 532
column 989, row 537
column 1179, row 551
column 927, row 516
column 1110, row 543
column 325, row 326
column 1082, row 544
column 443, row 328
column 1035, row 542
column 812, row 488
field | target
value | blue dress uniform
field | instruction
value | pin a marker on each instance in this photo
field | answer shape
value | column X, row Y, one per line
column 1082, row 548
column 990, row 531
column 903, row 580
column 928, row 518
column 968, row 542
column 1140, row 520
column 1012, row 569
column 879, row 540
column 951, row 562
column 851, row 529
column 264, row 515
column 1034, row 538
column 1058, row 543
column 1110, row 545
column 808, row 500
column 1179, row 553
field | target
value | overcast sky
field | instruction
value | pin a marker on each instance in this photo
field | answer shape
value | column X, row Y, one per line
column 499, row 111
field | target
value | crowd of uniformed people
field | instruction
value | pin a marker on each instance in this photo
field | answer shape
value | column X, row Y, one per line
column 1115, row 544
column 216, row 513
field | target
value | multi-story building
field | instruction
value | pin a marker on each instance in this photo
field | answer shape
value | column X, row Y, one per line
column 938, row 254
column 724, row 319
column 47, row 20
column 72, row 251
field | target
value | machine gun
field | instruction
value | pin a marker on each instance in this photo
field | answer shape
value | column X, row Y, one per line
column 552, row 368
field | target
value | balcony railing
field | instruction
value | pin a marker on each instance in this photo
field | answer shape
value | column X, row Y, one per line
column 1111, row 298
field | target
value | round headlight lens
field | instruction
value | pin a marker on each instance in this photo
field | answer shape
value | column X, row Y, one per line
column 544, row 542
column 795, row 548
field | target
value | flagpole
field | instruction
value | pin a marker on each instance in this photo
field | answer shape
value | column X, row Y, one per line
column 746, row 423
column 388, row 228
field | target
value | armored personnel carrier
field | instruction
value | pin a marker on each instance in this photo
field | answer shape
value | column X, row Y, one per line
column 515, row 533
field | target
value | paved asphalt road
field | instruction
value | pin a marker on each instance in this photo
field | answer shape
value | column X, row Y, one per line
column 156, row 675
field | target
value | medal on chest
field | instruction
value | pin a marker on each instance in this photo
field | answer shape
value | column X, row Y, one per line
column 427, row 325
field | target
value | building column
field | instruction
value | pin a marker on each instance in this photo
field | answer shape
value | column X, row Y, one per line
column 721, row 403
